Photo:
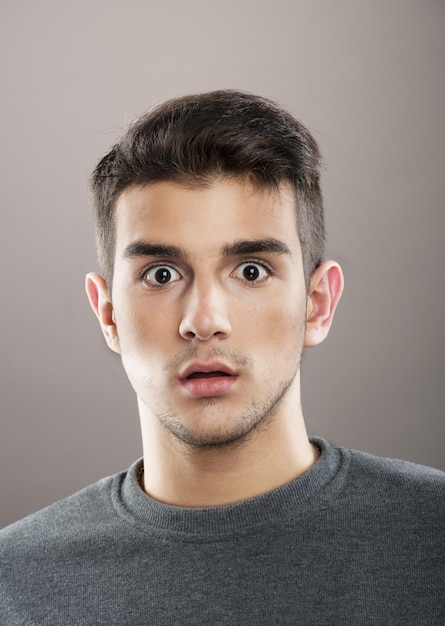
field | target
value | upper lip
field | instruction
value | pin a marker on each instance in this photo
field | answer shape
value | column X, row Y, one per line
column 211, row 366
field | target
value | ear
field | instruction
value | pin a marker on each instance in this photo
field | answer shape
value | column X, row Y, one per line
column 324, row 293
column 100, row 300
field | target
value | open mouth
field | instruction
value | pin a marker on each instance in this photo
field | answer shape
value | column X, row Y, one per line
column 207, row 375
column 208, row 380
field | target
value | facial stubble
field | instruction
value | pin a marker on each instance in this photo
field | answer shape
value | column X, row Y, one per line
column 257, row 417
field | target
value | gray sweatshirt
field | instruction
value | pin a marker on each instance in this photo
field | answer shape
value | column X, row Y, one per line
column 357, row 539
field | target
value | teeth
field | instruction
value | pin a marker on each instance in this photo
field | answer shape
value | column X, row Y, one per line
column 207, row 374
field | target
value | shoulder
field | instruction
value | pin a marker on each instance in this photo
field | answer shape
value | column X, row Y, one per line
column 385, row 485
column 55, row 550
column 69, row 517
column 387, row 471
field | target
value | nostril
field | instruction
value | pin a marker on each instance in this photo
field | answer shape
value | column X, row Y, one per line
column 203, row 324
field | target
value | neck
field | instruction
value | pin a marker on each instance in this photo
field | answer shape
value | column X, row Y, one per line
column 182, row 475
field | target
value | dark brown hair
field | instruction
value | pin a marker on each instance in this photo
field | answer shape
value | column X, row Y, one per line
column 195, row 139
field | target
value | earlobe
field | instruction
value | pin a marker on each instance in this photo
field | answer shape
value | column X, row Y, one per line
column 100, row 301
column 324, row 293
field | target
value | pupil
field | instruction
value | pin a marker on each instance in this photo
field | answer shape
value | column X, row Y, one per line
column 251, row 272
column 163, row 275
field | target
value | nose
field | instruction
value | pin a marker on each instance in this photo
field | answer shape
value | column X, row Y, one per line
column 205, row 314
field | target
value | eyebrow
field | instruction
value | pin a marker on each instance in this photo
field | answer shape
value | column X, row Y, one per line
column 253, row 246
column 143, row 248
column 243, row 246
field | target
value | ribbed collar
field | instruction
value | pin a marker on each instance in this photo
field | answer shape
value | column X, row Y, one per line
column 148, row 514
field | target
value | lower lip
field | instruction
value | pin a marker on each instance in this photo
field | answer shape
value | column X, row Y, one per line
column 206, row 387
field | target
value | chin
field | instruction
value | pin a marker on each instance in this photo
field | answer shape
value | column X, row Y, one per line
column 206, row 437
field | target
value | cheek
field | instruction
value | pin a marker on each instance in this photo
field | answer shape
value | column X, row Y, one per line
column 135, row 322
column 278, row 333
column 137, row 345
column 289, row 317
column 141, row 360
column 145, row 339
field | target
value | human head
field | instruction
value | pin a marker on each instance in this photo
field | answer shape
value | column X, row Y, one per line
column 195, row 139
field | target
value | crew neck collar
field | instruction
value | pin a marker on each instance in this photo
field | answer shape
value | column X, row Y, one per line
column 143, row 511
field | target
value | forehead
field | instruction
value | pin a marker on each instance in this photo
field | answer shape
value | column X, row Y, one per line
column 202, row 217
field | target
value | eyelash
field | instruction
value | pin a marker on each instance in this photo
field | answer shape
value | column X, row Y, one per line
column 246, row 263
column 255, row 262
column 157, row 266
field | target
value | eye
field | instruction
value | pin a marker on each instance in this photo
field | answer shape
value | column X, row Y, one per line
column 252, row 272
column 161, row 275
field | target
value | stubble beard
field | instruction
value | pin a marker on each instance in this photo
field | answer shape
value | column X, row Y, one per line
column 259, row 415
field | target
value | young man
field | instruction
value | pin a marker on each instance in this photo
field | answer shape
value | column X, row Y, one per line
column 210, row 238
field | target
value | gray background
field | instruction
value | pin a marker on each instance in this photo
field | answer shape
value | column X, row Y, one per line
column 367, row 76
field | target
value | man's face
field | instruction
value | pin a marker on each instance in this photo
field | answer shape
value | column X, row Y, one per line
column 209, row 305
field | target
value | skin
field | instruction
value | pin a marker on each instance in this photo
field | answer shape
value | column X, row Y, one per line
column 188, row 296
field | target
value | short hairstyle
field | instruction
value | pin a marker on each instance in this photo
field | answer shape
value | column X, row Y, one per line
column 195, row 139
